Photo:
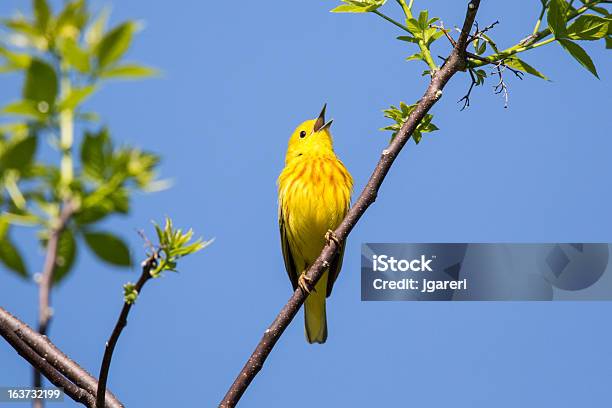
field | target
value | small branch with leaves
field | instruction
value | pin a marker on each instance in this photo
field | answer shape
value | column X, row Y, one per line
column 587, row 27
column 63, row 372
column 173, row 245
column 559, row 15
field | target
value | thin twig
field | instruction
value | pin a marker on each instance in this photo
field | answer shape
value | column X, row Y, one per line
column 46, row 280
column 48, row 351
column 455, row 62
column 501, row 86
column 147, row 266
column 42, row 362
column 466, row 97
column 445, row 31
column 478, row 33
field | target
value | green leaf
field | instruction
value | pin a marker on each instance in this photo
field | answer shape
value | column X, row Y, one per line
column 121, row 200
column 41, row 14
column 17, row 129
column 96, row 31
column 608, row 43
column 92, row 214
column 349, row 8
column 431, row 35
column 20, row 154
column 588, row 27
column 417, row 136
column 414, row 28
column 482, row 48
column 417, row 56
column 9, row 255
column 579, row 55
column 364, row 6
column 76, row 97
column 11, row 258
column 21, row 26
column 29, row 109
column 108, row 248
column 557, row 17
column 490, row 42
column 26, row 34
column 74, row 55
column 4, row 226
column 521, row 65
column 175, row 244
column 481, row 75
column 15, row 60
column 115, row 43
column 128, row 71
column 71, row 19
column 40, row 83
column 408, row 39
column 66, row 254
column 423, row 19
column 95, row 154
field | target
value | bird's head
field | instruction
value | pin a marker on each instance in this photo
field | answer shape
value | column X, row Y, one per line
column 312, row 137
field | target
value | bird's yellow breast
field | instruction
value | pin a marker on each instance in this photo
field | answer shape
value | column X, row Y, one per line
column 314, row 196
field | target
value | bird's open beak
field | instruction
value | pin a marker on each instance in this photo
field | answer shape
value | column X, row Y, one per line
column 320, row 124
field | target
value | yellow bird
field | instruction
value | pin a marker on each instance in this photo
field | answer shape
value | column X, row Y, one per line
column 314, row 193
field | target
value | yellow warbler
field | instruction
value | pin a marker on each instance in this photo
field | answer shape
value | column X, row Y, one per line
column 314, row 192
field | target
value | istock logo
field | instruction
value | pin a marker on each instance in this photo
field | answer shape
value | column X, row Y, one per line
column 383, row 263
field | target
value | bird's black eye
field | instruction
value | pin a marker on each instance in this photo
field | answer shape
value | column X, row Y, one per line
column 303, row 134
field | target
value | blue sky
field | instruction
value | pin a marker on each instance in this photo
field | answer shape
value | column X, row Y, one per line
column 238, row 77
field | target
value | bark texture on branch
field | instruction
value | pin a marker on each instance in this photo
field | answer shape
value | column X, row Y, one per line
column 454, row 63
column 39, row 351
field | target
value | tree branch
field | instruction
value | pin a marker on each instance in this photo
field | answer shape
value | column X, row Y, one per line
column 52, row 362
column 46, row 280
column 530, row 42
column 455, row 62
column 147, row 266
column 43, row 366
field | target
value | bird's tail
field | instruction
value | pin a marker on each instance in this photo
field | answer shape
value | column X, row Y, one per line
column 315, row 319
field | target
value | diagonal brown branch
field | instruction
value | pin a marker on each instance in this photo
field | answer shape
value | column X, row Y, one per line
column 454, row 63
column 51, row 361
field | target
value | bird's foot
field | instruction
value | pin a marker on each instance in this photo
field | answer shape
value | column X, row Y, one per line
column 331, row 236
column 306, row 284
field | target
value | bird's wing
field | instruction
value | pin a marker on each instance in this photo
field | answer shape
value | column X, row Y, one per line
column 287, row 256
column 334, row 269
